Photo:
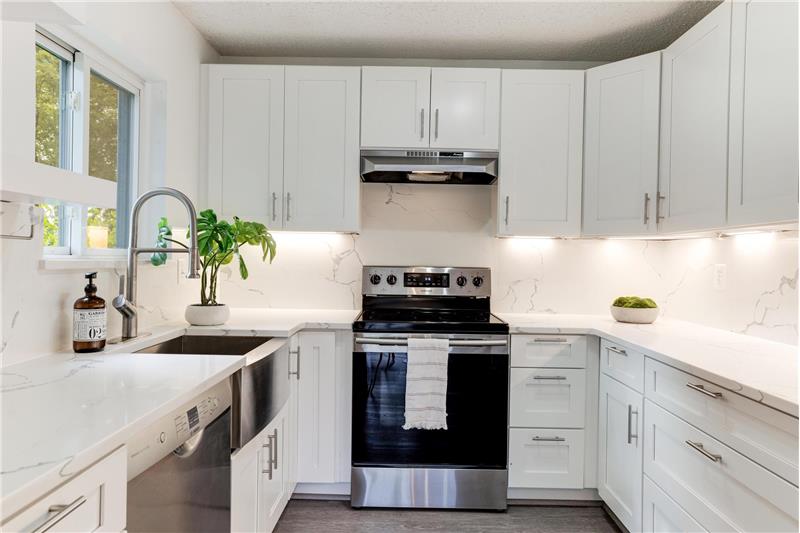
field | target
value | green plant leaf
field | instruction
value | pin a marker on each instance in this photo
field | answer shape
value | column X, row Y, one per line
column 164, row 231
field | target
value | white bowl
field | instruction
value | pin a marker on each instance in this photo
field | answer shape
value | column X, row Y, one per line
column 634, row 315
column 207, row 315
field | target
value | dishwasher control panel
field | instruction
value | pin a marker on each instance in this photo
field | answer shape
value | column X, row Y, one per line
column 173, row 429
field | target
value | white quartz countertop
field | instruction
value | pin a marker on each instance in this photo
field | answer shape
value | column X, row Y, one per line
column 63, row 412
column 762, row 370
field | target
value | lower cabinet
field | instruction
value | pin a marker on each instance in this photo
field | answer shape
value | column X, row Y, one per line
column 545, row 458
column 660, row 513
column 94, row 500
column 620, row 447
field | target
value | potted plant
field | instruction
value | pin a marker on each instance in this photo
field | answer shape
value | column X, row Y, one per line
column 634, row 309
column 219, row 242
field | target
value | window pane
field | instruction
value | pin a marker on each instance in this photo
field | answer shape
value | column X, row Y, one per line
column 54, row 224
column 50, row 84
column 101, row 228
column 110, row 109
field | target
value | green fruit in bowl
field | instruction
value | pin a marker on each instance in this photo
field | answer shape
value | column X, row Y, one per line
column 634, row 302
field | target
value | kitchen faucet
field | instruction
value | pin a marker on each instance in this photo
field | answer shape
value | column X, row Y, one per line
column 125, row 302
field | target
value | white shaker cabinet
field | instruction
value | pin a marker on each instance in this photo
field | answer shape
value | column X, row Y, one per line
column 620, row 447
column 395, row 107
column 245, row 142
column 693, row 174
column 465, row 107
column 274, row 451
column 321, row 148
column 541, row 139
column 621, row 147
column 763, row 159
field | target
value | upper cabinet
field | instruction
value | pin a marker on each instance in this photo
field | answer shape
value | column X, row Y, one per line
column 245, row 142
column 693, row 177
column 541, row 143
column 420, row 107
column 620, row 170
column 283, row 145
column 321, row 153
column 465, row 107
column 395, row 107
column 763, row 158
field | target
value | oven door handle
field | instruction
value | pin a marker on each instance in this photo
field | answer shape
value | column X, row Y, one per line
column 453, row 342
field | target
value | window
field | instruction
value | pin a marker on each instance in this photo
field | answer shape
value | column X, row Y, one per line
column 93, row 131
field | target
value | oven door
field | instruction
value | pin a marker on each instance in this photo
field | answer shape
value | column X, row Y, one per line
column 477, row 405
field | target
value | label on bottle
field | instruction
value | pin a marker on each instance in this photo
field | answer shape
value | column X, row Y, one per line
column 88, row 325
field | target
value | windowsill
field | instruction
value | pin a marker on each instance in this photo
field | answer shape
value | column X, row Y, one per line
column 89, row 263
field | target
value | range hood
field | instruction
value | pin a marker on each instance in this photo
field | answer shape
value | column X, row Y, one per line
column 428, row 166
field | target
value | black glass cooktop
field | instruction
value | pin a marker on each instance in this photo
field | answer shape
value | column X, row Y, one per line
column 455, row 315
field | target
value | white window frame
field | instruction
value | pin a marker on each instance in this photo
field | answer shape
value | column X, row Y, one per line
column 85, row 60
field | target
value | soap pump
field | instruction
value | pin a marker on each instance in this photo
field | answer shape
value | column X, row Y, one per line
column 89, row 320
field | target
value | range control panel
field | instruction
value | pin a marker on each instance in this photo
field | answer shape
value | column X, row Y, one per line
column 170, row 431
column 427, row 281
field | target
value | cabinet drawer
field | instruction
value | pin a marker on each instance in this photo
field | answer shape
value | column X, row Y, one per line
column 558, row 351
column 94, row 500
column 548, row 397
column 623, row 364
column 760, row 433
column 660, row 513
column 545, row 458
column 722, row 489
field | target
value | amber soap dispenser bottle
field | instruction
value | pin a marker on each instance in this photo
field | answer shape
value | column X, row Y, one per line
column 89, row 320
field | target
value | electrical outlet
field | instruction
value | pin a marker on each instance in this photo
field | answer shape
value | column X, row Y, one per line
column 720, row 277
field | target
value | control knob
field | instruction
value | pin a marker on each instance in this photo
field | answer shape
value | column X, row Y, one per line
column 477, row 281
column 461, row 281
column 375, row 279
column 391, row 279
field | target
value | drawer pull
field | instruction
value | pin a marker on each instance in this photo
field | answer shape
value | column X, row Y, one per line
column 62, row 511
column 631, row 412
column 557, row 378
column 702, row 389
column 616, row 350
column 548, row 439
column 699, row 447
column 554, row 339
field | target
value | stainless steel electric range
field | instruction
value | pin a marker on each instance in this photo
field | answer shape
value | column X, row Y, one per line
column 463, row 466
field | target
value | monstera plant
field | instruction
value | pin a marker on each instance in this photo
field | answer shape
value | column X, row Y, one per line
column 220, row 243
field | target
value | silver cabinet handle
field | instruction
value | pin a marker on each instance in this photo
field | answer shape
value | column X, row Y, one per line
column 553, row 339
column 708, row 455
column 506, row 217
column 61, row 512
column 288, row 205
column 617, row 350
column 269, row 468
column 554, row 378
column 659, row 216
column 297, row 372
column 646, row 208
column 436, row 124
column 631, row 412
column 274, row 207
column 703, row 390
column 422, row 123
column 274, row 458
column 537, row 438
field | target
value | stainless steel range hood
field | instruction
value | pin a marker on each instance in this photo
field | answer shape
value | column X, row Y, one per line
column 428, row 166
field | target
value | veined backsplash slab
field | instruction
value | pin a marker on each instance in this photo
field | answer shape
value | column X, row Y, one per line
column 436, row 225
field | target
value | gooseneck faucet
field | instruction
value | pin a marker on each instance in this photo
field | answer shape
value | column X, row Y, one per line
column 125, row 302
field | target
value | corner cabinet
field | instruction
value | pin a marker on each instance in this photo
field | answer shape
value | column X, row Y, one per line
column 283, row 145
column 541, row 153
column 693, row 175
column 763, row 157
column 621, row 147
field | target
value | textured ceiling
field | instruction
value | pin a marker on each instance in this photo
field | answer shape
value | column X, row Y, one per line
column 566, row 30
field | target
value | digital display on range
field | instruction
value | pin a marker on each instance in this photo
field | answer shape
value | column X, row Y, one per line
column 415, row 279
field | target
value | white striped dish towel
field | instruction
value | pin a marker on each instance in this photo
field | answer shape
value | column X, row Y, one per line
column 426, row 384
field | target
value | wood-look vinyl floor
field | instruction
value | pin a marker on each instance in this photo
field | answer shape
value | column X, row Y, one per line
column 310, row 516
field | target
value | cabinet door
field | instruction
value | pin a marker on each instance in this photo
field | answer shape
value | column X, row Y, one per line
column 321, row 157
column 465, row 103
column 245, row 142
column 539, row 188
column 290, row 448
column 272, row 492
column 693, row 174
column 660, row 514
column 763, row 172
column 621, row 152
column 245, row 481
column 316, row 443
column 395, row 107
column 545, row 458
column 619, row 474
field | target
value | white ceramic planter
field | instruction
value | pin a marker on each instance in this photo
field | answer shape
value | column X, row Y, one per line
column 634, row 315
column 207, row 315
